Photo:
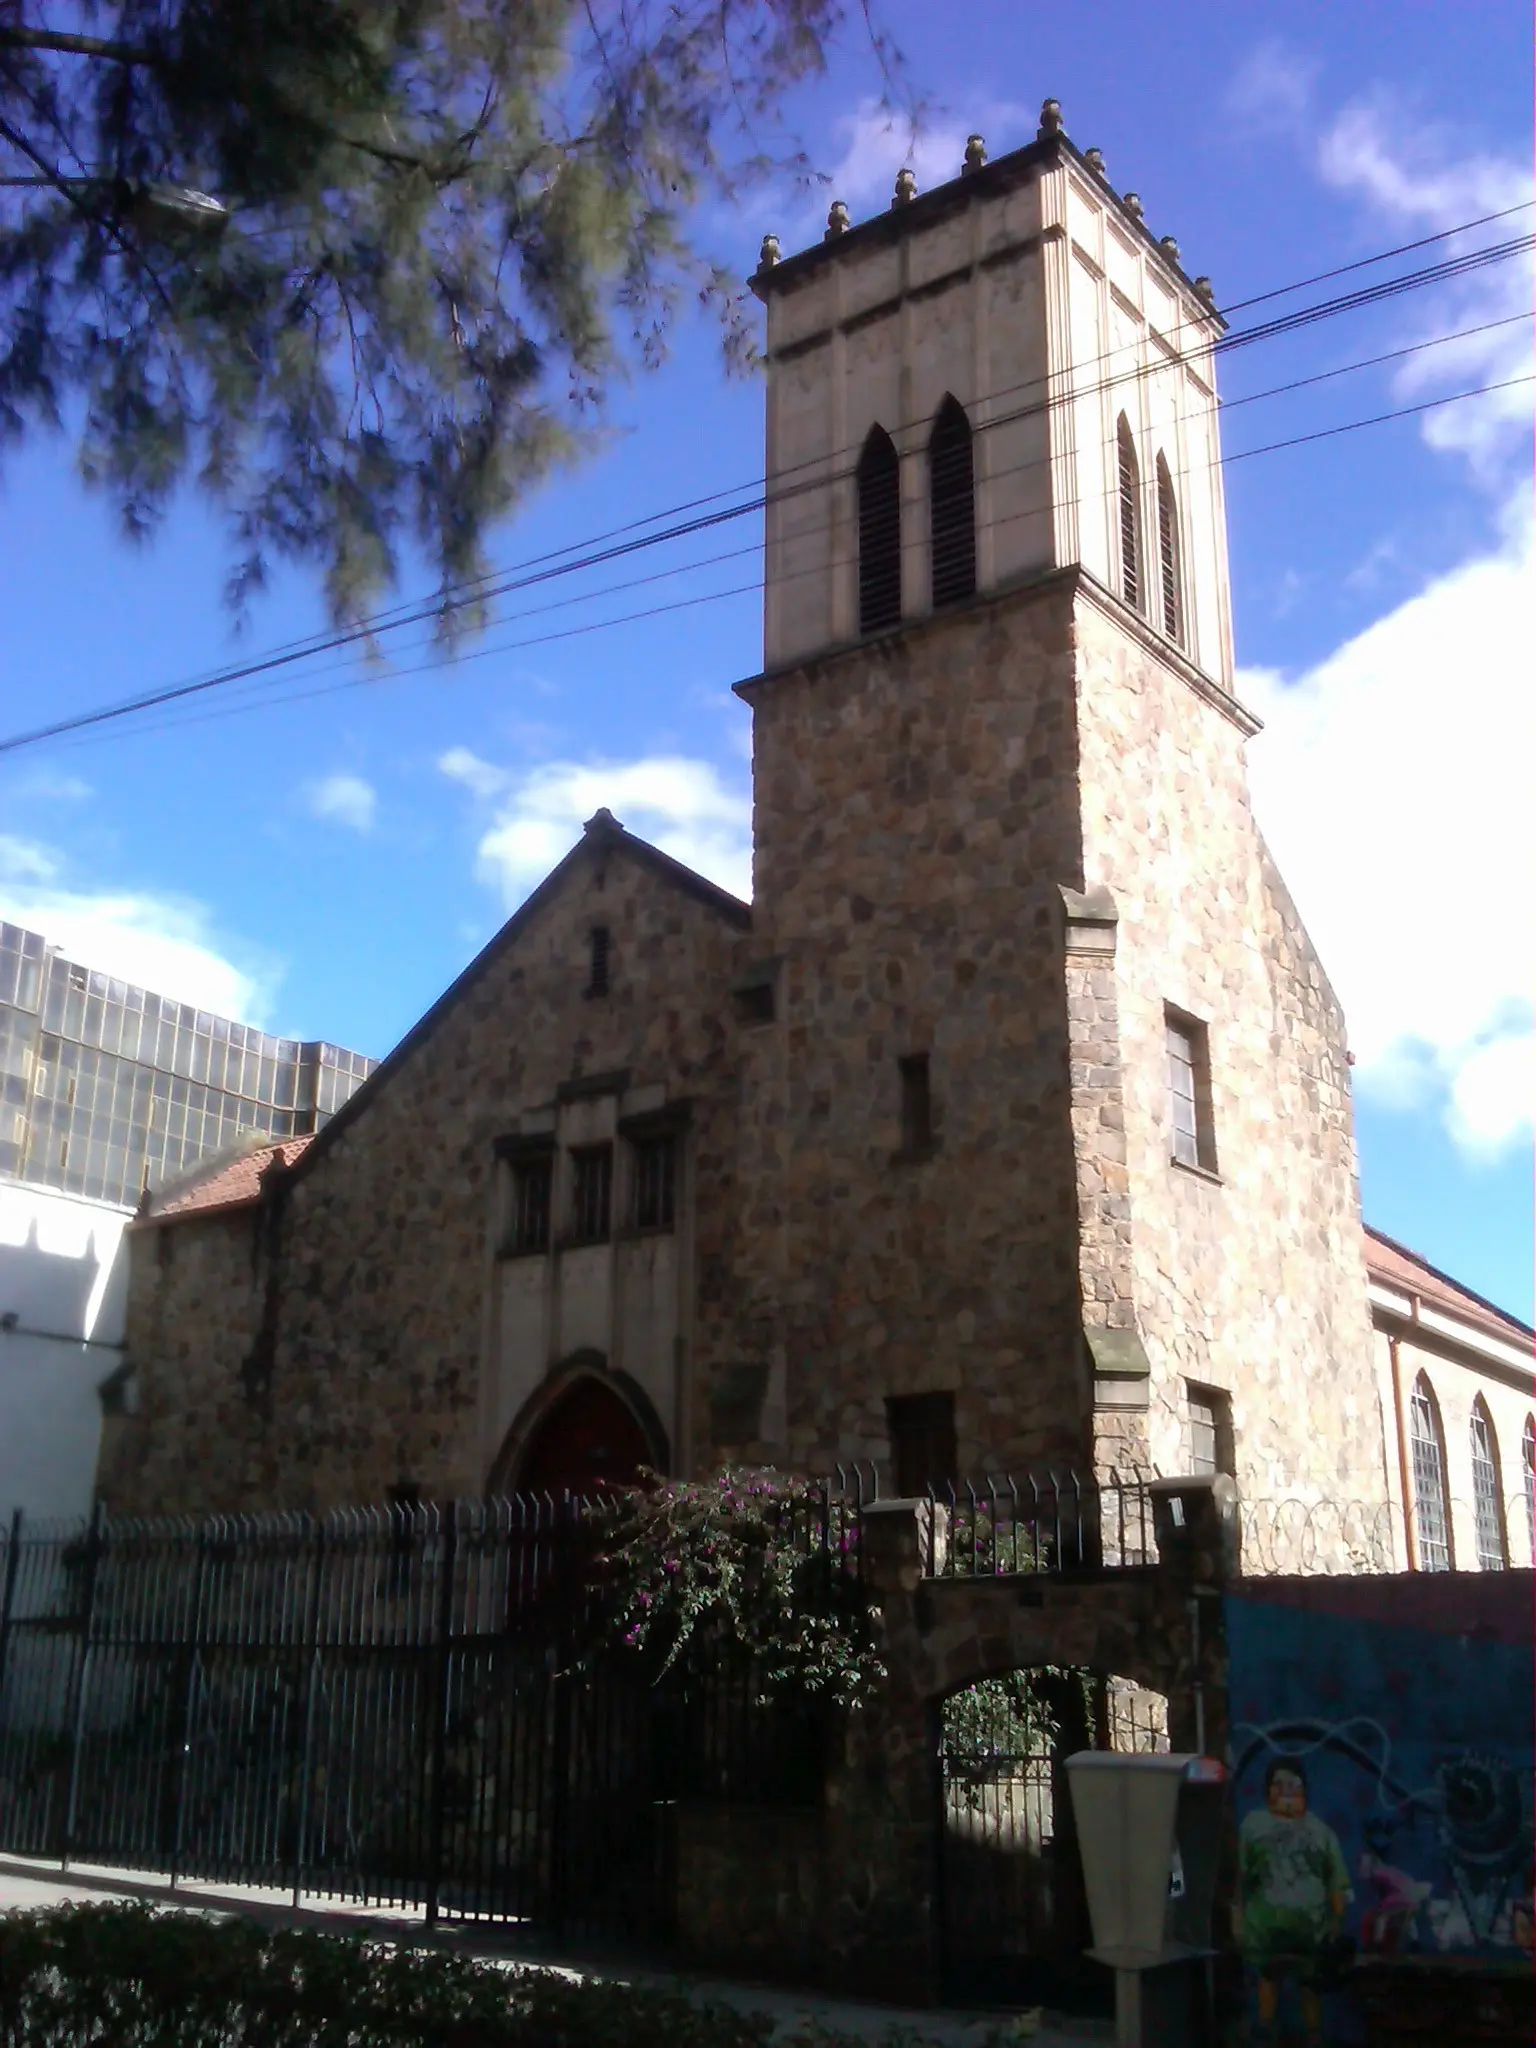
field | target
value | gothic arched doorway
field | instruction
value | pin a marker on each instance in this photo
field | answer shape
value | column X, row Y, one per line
column 588, row 1441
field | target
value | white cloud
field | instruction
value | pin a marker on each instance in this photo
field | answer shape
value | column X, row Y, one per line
column 160, row 942
column 1272, row 91
column 344, row 800
column 1409, row 175
column 680, row 804
column 1392, row 782
column 479, row 777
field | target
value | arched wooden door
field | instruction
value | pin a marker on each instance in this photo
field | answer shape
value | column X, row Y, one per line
column 590, row 1441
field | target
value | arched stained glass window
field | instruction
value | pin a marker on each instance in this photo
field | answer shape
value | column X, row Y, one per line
column 952, row 505
column 1129, row 473
column 1168, row 563
column 1487, row 1494
column 1430, row 1512
column 879, row 489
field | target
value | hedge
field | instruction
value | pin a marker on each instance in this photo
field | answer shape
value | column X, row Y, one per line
column 130, row 1977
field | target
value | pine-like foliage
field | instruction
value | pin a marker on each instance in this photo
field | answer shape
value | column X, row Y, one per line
column 446, row 226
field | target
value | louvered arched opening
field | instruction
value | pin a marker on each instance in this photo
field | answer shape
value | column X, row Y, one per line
column 1129, row 479
column 1431, row 1514
column 879, row 487
column 1487, row 1492
column 1169, row 565
column 1528, row 1476
column 952, row 505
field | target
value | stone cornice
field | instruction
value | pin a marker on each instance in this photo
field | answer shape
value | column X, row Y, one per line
column 1074, row 580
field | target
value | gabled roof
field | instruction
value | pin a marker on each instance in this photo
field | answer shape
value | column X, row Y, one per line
column 223, row 1183
column 1394, row 1265
column 603, row 834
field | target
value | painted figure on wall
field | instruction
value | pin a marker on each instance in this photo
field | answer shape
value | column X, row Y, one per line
column 1294, row 1888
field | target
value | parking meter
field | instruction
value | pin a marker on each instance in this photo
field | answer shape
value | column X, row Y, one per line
column 1149, row 1828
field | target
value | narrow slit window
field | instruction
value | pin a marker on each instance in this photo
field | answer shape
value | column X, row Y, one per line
column 952, row 505
column 655, row 1182
column 916, row 1104
column 531, row 1183
column 879, row 489
column 1192, row 1140
column 597, row 976
column 1487, row 1498
column 1130, row 515
column 1430, row 1518
column 591, row 1193
column 1168, row 553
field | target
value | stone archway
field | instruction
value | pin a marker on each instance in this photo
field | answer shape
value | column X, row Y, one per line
column 585, row 1434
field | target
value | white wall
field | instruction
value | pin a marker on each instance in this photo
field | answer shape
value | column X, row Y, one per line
column 63, row 1275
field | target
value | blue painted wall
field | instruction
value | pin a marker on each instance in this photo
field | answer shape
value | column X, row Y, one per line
column 1414, row 1748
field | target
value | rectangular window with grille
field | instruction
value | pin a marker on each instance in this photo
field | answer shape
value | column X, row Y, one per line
column 591, row 1193
column 532, row 1179
column 922, row 1430
column 1210, row 1430
column 655, row 1182
column 1192, row 1133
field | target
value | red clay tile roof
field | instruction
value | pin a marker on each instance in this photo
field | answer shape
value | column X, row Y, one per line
column 226, row 1183
column 1395, row 1266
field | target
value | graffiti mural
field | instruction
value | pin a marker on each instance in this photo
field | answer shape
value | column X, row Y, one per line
column 1382, row 1778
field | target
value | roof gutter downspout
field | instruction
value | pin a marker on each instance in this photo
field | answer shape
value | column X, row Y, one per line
column 1402, row 1455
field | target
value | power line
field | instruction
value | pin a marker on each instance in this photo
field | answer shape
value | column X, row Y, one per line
column 567, row 561
column 1364, row 262
column 744, row 589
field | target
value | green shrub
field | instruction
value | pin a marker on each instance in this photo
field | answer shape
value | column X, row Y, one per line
column 129, row 1977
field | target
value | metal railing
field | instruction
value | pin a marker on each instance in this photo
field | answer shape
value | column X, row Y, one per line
column 1039, row 1523
column 415, row 1707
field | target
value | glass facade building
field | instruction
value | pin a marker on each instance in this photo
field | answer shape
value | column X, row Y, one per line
column 105, row 1088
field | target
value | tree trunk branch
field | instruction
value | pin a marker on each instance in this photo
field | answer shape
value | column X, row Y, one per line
column 65, row 45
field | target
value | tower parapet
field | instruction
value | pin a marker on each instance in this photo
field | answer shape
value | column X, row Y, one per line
column 1032, row 300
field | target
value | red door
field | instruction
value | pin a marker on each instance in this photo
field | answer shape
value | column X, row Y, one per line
column 589, row 1442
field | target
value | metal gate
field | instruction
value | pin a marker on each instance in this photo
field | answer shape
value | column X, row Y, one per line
column 1012, row 1909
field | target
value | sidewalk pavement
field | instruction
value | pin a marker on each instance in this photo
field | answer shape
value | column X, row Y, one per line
column 30, row 1886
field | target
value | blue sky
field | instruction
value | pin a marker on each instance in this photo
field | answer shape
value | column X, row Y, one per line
column 325, row 865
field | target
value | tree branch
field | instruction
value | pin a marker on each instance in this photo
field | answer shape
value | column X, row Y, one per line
column 66, row 45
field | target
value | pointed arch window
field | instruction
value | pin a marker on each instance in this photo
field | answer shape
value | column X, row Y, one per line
column 1431, row 1518
column 879, row 487
column 1129, row 474
column 1528, row 1474
column 1487, row 1496
column 952, row 505
column 1169, row 566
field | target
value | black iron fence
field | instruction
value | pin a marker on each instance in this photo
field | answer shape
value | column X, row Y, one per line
column 1041, row 1522
column 414, row 1708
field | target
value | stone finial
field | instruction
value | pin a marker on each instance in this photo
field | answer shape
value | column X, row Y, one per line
column 602, row 820
column 1206, row 290
column 1051, row 122
column 906, row 187
column 1131, row 201
column 837, row 221
column 1094, row 159
column 1169, row 247
column 767, row 256
column 975, row 155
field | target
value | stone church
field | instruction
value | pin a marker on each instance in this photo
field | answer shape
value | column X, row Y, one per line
column 1009, row 1124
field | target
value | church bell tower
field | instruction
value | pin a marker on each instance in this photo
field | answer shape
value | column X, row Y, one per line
column 1050, row 1153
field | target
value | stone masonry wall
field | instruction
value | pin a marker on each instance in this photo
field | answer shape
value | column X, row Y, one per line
column 915, row 811
column 1251, row 1280
column 372, row 1370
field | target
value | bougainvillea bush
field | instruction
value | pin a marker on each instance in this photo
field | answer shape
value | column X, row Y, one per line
column 754, row 1560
